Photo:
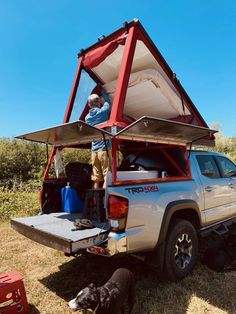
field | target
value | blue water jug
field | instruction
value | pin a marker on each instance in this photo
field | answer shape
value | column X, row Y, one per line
column 71, row 202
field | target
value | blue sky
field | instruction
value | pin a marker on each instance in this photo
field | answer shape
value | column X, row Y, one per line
column 40, row 41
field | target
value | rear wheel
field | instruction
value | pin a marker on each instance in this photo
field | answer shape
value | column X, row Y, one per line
column 181, row 249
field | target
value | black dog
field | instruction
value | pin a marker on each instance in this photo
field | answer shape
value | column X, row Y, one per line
column 109, row 298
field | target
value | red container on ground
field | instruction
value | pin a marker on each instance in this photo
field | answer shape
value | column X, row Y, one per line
column 12, row 294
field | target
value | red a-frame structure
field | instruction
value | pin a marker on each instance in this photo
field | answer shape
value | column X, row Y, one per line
column 140, row 83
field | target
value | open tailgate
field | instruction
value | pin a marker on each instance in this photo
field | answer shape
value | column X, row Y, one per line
column 55, row 230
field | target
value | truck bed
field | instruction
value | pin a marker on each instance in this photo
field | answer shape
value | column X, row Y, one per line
column 55, row 230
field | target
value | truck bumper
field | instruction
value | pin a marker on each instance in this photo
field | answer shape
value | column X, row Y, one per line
column 116, row 244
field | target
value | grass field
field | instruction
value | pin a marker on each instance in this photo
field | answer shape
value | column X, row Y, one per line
column 51, row 280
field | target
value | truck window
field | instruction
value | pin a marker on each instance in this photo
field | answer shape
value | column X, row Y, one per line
column 208, row 166
column 227, row 167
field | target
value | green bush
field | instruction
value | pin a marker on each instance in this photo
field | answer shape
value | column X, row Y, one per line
column 18, row 204
column 20, row 162
column 226, row 146
column 75, row 154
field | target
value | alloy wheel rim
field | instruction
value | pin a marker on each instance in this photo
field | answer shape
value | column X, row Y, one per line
column 183, row 251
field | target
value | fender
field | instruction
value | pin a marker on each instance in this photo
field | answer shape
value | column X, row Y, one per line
column 172, row 208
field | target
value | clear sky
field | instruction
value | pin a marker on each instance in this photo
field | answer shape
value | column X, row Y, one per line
column 39, row 42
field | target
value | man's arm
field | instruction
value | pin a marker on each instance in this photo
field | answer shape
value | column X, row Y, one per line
column 106, row 104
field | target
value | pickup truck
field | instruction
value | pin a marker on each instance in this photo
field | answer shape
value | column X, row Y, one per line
column 160, row 195
column 157, row 219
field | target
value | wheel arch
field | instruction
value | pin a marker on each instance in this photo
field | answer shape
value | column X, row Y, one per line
column 183, row 209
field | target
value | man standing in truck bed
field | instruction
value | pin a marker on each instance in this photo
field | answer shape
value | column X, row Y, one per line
column 101, row 150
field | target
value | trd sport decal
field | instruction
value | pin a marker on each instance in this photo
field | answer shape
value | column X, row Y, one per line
column 142, row 189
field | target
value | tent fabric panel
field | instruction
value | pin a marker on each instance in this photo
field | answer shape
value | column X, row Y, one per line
column 159, row 86
column 146, row 98
column 97, row 55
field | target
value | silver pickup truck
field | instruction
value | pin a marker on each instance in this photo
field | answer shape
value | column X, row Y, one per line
column 168, row 218
column 158, row 219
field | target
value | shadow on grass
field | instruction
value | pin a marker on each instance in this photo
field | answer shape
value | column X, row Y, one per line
column 152, row 295
column 79, row 272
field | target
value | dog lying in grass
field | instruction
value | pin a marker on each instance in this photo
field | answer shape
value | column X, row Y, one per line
column 109, row 298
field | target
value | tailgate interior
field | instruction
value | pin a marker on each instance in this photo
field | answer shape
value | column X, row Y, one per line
column 55, row 230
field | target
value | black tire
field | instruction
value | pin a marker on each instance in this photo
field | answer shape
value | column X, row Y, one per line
column 181, row 251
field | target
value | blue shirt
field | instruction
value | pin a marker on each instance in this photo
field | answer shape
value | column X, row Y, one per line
column 98, row 116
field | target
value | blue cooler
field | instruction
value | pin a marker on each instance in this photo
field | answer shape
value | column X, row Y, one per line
column 70, row 200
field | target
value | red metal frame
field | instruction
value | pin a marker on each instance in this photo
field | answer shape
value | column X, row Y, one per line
column 133, row 149
column 73, row 91
column 162, row 148
column 174, row 163
column 123, row 78
column 157, row 180
column 53, row 152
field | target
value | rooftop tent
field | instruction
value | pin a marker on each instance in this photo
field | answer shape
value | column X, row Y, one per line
column 137, row 78
column 145, row 95
column 140, row 83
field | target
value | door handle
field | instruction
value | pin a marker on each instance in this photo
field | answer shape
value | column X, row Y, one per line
column 209, row 188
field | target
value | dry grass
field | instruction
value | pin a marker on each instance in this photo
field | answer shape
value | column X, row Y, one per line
column 51, row 280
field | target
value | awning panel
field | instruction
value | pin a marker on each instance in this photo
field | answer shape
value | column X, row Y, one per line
column 148, row 129
column 67, row 134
